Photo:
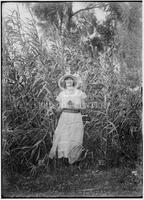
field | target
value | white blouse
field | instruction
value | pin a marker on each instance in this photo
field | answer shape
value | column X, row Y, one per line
column 74, row 100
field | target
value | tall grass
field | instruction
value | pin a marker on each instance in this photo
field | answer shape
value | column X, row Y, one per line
column 29, row 109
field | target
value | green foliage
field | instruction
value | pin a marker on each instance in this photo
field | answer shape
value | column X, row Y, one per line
column 30, row 75
column 128, row 18
column 28, row 103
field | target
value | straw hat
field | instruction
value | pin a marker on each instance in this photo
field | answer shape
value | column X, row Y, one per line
column 61, row 81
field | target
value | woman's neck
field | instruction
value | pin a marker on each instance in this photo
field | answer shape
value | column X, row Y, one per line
column 70, row 90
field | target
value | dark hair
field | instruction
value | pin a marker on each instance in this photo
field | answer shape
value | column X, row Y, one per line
column 68, row 78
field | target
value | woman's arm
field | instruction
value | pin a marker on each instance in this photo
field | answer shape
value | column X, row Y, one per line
column 83, row 104
column 58, row 107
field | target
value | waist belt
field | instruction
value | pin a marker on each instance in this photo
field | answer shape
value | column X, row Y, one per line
column 70, row 110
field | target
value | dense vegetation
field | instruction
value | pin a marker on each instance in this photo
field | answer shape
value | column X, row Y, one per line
column 107, row 56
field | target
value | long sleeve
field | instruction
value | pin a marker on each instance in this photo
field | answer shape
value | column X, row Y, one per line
column 59, row 97
column 83, row 95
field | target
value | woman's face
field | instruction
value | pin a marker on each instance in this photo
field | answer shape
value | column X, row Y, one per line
column 69, row 82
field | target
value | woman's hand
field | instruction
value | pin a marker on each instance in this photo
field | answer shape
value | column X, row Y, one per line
column 70, row 104
column 59, row 109
column 83, row 104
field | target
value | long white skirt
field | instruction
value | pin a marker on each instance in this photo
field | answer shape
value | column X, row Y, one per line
column 68, row 134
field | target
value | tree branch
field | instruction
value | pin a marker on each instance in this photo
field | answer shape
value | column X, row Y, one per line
column 87, row 8
column 82, row 10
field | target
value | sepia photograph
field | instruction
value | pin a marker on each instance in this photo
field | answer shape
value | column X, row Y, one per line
column 71, row 99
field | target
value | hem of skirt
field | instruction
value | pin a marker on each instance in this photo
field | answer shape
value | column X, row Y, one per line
column 58, row 156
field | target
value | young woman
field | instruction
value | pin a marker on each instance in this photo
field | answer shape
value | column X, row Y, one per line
column 69, row 132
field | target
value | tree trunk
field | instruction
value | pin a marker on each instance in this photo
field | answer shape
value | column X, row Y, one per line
column 68, row 15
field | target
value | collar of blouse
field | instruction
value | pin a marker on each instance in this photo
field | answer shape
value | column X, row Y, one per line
column 71, row 91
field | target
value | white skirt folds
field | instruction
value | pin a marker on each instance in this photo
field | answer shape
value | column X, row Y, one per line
column 68, row 135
